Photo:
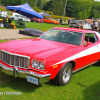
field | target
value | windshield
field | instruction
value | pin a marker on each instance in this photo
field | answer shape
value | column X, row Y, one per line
column 63, row 36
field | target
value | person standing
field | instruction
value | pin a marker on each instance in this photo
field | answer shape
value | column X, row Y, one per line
column 68, row 21
column 96, row 25
column 93, row 26
column 61, row 21
column 99, row 27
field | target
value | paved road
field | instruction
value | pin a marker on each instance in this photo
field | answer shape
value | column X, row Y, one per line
column 11, row 34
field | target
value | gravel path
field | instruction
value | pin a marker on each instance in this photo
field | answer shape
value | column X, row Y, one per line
column 11, row 34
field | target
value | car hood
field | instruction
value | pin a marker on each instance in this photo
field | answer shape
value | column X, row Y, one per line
column 35, row 47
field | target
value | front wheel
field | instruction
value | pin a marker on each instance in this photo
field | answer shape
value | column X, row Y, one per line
column 64, row 75
column 34, row 21
column 1, row 25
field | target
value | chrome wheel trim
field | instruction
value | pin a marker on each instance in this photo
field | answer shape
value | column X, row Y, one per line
column 66, row 74
column 1, row 25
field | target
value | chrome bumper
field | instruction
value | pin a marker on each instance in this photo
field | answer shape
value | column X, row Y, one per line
column 23, row 74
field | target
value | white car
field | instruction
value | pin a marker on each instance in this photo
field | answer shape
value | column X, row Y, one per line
column 87, row 26
column 17, row 16
column 3, row 13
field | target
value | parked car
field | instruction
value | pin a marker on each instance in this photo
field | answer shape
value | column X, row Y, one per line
column 3, row 13
column 17, row 16
column 37, row 20
column 87, row 25
column 63, row 22
column 74, row 24
column 54, row 55
column 50, row 20
column 81, row 23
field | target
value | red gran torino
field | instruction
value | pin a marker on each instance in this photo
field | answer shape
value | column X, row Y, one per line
column 54, row 55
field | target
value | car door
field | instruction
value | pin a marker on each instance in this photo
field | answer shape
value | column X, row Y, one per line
column 89, row 52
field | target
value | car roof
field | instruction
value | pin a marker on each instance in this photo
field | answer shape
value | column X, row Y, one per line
column 74, row 29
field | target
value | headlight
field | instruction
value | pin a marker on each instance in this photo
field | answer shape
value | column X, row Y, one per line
column 41, row 66
column 38, row 64
column 35, row 63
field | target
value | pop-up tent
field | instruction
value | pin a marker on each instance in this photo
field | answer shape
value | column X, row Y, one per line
column 25, row 10
column 44, row 14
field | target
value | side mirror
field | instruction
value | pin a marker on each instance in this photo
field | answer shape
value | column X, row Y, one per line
column 89, row 43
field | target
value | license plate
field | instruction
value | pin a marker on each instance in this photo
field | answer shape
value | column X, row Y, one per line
column 32, row 80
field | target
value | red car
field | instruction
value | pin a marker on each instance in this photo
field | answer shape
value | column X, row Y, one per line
column 54, row 55
column 37, row 20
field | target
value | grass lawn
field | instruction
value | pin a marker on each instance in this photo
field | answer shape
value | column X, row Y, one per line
column 43, row 26
column 40, row 26
column 84, row 85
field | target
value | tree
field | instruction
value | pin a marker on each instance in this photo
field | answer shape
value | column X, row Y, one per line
column 95, row 11
column 56, row 6
column 41, row 3
column 80, row 9
column 12, row 2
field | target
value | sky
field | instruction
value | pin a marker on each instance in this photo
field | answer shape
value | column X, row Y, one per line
column 96, row 0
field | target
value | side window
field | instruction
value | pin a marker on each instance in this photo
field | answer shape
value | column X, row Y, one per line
column 16, row 15
column 91, row 37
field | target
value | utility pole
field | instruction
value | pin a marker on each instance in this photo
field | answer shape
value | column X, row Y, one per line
column 64, row 9
column 35, row 3
column 41, row 4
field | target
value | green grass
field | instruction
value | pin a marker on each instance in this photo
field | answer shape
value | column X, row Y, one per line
column 43, row 26
column 40, row 26
column 84, row 85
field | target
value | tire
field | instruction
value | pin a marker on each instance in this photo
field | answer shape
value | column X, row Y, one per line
column 12, row 18
column 1, row 25
column 81, row 27
column 51, row 22
column 64, row 75
column 71, row 26
column 34, row 21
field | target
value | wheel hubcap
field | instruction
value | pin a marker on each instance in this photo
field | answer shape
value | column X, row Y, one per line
column 66, row 74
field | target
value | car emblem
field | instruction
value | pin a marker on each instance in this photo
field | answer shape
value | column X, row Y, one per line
column 21, row 60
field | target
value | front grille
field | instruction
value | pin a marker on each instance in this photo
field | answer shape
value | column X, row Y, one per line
column 14, row 59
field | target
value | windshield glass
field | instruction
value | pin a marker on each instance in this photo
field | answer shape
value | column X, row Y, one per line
column 63, row 36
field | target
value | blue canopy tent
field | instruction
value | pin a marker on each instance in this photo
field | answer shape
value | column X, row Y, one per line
column 25, row 10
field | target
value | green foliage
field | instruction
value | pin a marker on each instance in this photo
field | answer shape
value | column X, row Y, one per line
column 79, row 8
column 95, row 12
column 36, row 9
column 11, row 2
column 56, row 6
column 2, row 9
column 31, row 2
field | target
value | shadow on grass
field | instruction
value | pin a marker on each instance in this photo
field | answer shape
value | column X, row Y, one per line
column 92, row 92
column 17, row 84
column 97, row 64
